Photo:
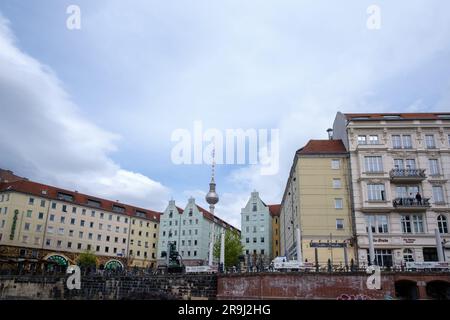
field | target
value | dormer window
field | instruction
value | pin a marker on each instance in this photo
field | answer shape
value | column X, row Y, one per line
column 65, row 196
column 255, row 207
column 190, row 212
column 94, row 203
column 118, row 209
column 140, row 214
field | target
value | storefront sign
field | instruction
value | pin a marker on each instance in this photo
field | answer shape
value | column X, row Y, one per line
column 428, row 265
column 327, row 245
column 409, row 240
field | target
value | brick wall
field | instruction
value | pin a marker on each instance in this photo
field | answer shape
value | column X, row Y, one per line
column 113, row 288
column 317, row 286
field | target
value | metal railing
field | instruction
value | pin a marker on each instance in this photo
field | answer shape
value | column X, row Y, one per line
column 408, row 173
column 411, row 203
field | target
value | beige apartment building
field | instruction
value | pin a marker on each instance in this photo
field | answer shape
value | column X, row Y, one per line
column 44, row 223
column 400, row 168
column 275, row 210
column 317, row 201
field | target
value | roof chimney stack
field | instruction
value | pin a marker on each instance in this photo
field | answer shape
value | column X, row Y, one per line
column 330, row 134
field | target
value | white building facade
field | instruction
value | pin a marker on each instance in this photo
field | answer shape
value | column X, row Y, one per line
column 192, row 229
column 400, row 169
column 256, row 226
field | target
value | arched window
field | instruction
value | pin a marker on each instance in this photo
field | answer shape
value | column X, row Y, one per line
column 442, row 224
column 408, row 255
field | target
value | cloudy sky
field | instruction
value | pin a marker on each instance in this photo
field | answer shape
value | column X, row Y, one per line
column 94, row 109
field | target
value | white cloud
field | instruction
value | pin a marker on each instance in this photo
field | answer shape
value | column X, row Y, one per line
column 45, row 138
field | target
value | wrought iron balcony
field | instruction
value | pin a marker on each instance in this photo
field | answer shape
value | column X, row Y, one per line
column 407, row 175
column 411, row 204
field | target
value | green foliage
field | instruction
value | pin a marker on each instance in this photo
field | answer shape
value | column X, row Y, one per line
column 87, row 259
column 233, row 248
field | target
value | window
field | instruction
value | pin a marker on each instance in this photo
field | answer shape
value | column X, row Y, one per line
column 52, row 217
column 39, row 228
column 90, row 236
column 383, row 257
column 407, row 143
column 92, row 213
column 410, row 164
column 254, row 240
column 48, row 242
column 373, row 164
column 91, row 224
column 262, row 239
column 247, row 218
column 336, row 183
column 438, row 194
column 64, row 208
column 83, row 212
column 379, row 223
column 82, row 223
column 63, row 220
column 375, row 192
column 396, row 142
column 61, row 231
column 50, row 229
column 74, row 209
column 335, row 164
column 99, row 237
column 406, row 224
column 94, row 203
column 362, row 140
column 53, row 205
column 42, row 203
column 373, row 139
column 79, row 246
column 80, row 234
column 29, row 213
column 100, row 226
column 247, row 240
column 412, row 224
column 429, row 141
column 408, row 255
column 442, row 224
column 255, row 208
column 69, row 244
column 434, row 167
column 27, row 226
column 338, row 203
column 70, row 233
column 41, row 215
column 31, row 201
column 339, row 224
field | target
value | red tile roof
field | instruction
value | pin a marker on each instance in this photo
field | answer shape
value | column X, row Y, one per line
column 208, row 215
column 274, row 209
column 323, row 147
column 49, row 192
column 9, row 176
column 402, row 116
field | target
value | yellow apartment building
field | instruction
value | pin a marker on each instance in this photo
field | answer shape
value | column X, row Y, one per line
column 40, row 223
column 317, row 201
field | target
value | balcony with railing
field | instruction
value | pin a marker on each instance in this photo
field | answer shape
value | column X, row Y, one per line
column 411, row 204
column 407, row 175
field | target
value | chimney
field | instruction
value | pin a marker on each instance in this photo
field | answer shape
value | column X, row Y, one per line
column 330, row 134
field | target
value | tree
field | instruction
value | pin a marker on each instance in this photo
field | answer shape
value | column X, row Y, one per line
column 233, row 248
column 87, row 259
